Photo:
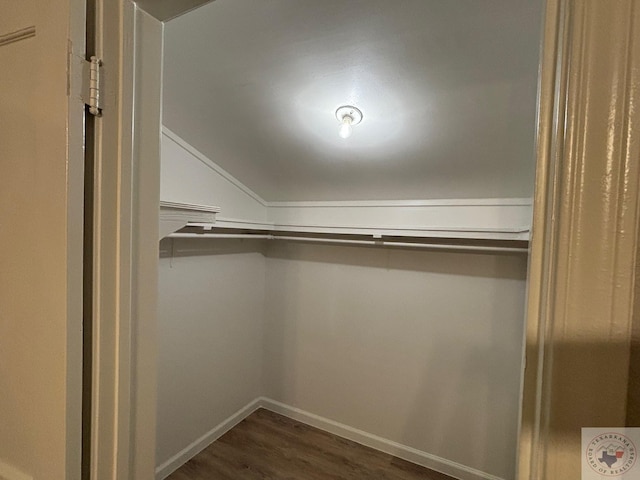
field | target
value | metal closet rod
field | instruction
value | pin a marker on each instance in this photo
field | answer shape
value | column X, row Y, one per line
column 373, row 241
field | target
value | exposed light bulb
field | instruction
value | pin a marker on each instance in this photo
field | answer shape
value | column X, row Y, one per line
column 348, row 116
column 346, row 129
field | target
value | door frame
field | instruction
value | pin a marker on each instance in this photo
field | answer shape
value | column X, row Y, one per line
column 125, row 242
column 580, row 304
column 569, row 189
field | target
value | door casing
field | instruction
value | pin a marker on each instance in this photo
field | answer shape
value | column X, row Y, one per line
column 584, row 236
column 125, row 242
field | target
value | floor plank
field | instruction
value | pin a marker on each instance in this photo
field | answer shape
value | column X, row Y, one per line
column 266, row 445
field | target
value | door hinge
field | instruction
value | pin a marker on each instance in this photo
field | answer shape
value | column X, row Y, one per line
column 91, row 85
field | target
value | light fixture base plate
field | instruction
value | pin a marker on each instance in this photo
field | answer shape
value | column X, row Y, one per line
column 350, row 110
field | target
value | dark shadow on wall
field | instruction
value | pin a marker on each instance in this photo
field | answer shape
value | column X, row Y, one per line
column 633, row 395
column 590, row 388
column 190, row 247
column 453, row 262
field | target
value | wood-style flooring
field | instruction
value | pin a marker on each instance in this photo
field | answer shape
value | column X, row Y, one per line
column 266, row 445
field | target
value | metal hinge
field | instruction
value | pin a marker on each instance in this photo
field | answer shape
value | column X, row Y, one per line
column 91, row 86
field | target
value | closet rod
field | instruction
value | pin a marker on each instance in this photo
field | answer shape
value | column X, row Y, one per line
column 432, row 246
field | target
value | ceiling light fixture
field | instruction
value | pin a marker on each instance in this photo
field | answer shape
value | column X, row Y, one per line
column 348, row 116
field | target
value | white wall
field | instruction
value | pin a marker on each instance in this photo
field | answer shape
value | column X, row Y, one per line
column 211, row 298
column 190, row 177
column 421, row 348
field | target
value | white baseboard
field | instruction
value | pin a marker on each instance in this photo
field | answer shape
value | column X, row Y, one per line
column 182, row 457
column 427, row 460
column 410, row 454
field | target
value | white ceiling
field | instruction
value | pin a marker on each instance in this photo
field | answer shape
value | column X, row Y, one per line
column 447, row 88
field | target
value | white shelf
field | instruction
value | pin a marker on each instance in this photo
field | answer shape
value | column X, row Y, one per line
column 438, row 239
column 175, row 216
column 499, row 234
column 202, row 223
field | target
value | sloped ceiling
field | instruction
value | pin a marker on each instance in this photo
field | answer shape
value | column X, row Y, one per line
column 447, row 88
column 167, row 9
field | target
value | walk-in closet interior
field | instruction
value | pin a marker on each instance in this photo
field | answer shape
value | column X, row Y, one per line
column 346, row 193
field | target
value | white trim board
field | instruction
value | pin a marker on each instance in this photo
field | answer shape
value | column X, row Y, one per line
column 404, row 452
column 191, row 450
column 444, row 202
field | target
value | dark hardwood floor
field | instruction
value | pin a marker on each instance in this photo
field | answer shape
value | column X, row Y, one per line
column 269, row 446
